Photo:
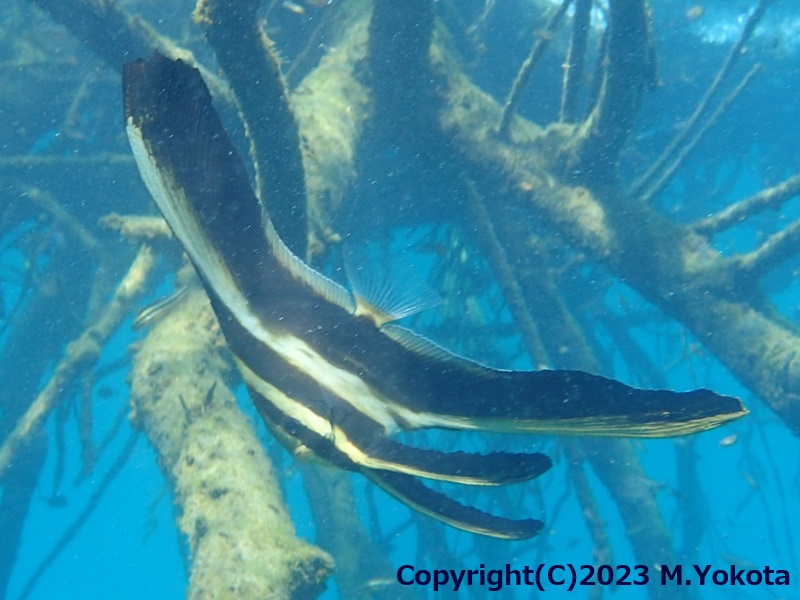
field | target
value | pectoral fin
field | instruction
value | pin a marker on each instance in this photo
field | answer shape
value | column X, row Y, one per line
column 386, row 295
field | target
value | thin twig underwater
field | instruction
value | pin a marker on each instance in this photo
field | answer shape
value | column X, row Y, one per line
column 302, row 342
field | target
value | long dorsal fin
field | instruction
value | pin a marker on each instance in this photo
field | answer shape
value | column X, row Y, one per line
column 316, row 281
column 422, row 346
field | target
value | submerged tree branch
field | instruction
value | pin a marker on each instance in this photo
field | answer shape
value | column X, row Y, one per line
column 688, row 127
column 79, row 355
column 233, row 31
column 117, row 37
column 771, row 198
column 137, row 227
column 514, row 297
column 359, row 560
column 241, row 539
column 106, row 28
column 669, row 171
column 526, row 70
column 629, row 70
column 773, row 251
column 666, row 262
column 574, row 65
column 331, row 105
column 400, row 72
column 591, row 513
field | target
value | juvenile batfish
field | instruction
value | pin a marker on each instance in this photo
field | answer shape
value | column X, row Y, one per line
column 328, row 377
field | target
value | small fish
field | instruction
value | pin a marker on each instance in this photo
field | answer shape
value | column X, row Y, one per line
column 729, row 440
column 153, row 313
column 371, row 587
column 293, row 333
column 293, row 7
column 695, row 12
column 56, row 501
column 105, row 392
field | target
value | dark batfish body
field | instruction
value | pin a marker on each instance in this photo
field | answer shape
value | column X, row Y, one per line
column 330, row 377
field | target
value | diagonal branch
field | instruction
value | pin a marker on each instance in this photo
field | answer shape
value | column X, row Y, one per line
column 79, row 356
column 773, row 251
column 730, row 61
column 669, row 171
column 771, row 198
column 528, row 65
column 117, row 37
column 630, row 69
column 232, row 29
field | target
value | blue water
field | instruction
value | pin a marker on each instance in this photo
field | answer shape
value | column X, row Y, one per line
column 748, row 472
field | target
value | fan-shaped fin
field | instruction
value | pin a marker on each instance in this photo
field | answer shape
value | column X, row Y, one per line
column 385, row 296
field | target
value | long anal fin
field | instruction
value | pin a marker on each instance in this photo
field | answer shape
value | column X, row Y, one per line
column 412, row 492
column 468, row 468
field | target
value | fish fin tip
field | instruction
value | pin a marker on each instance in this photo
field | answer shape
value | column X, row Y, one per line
column 441, row 507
